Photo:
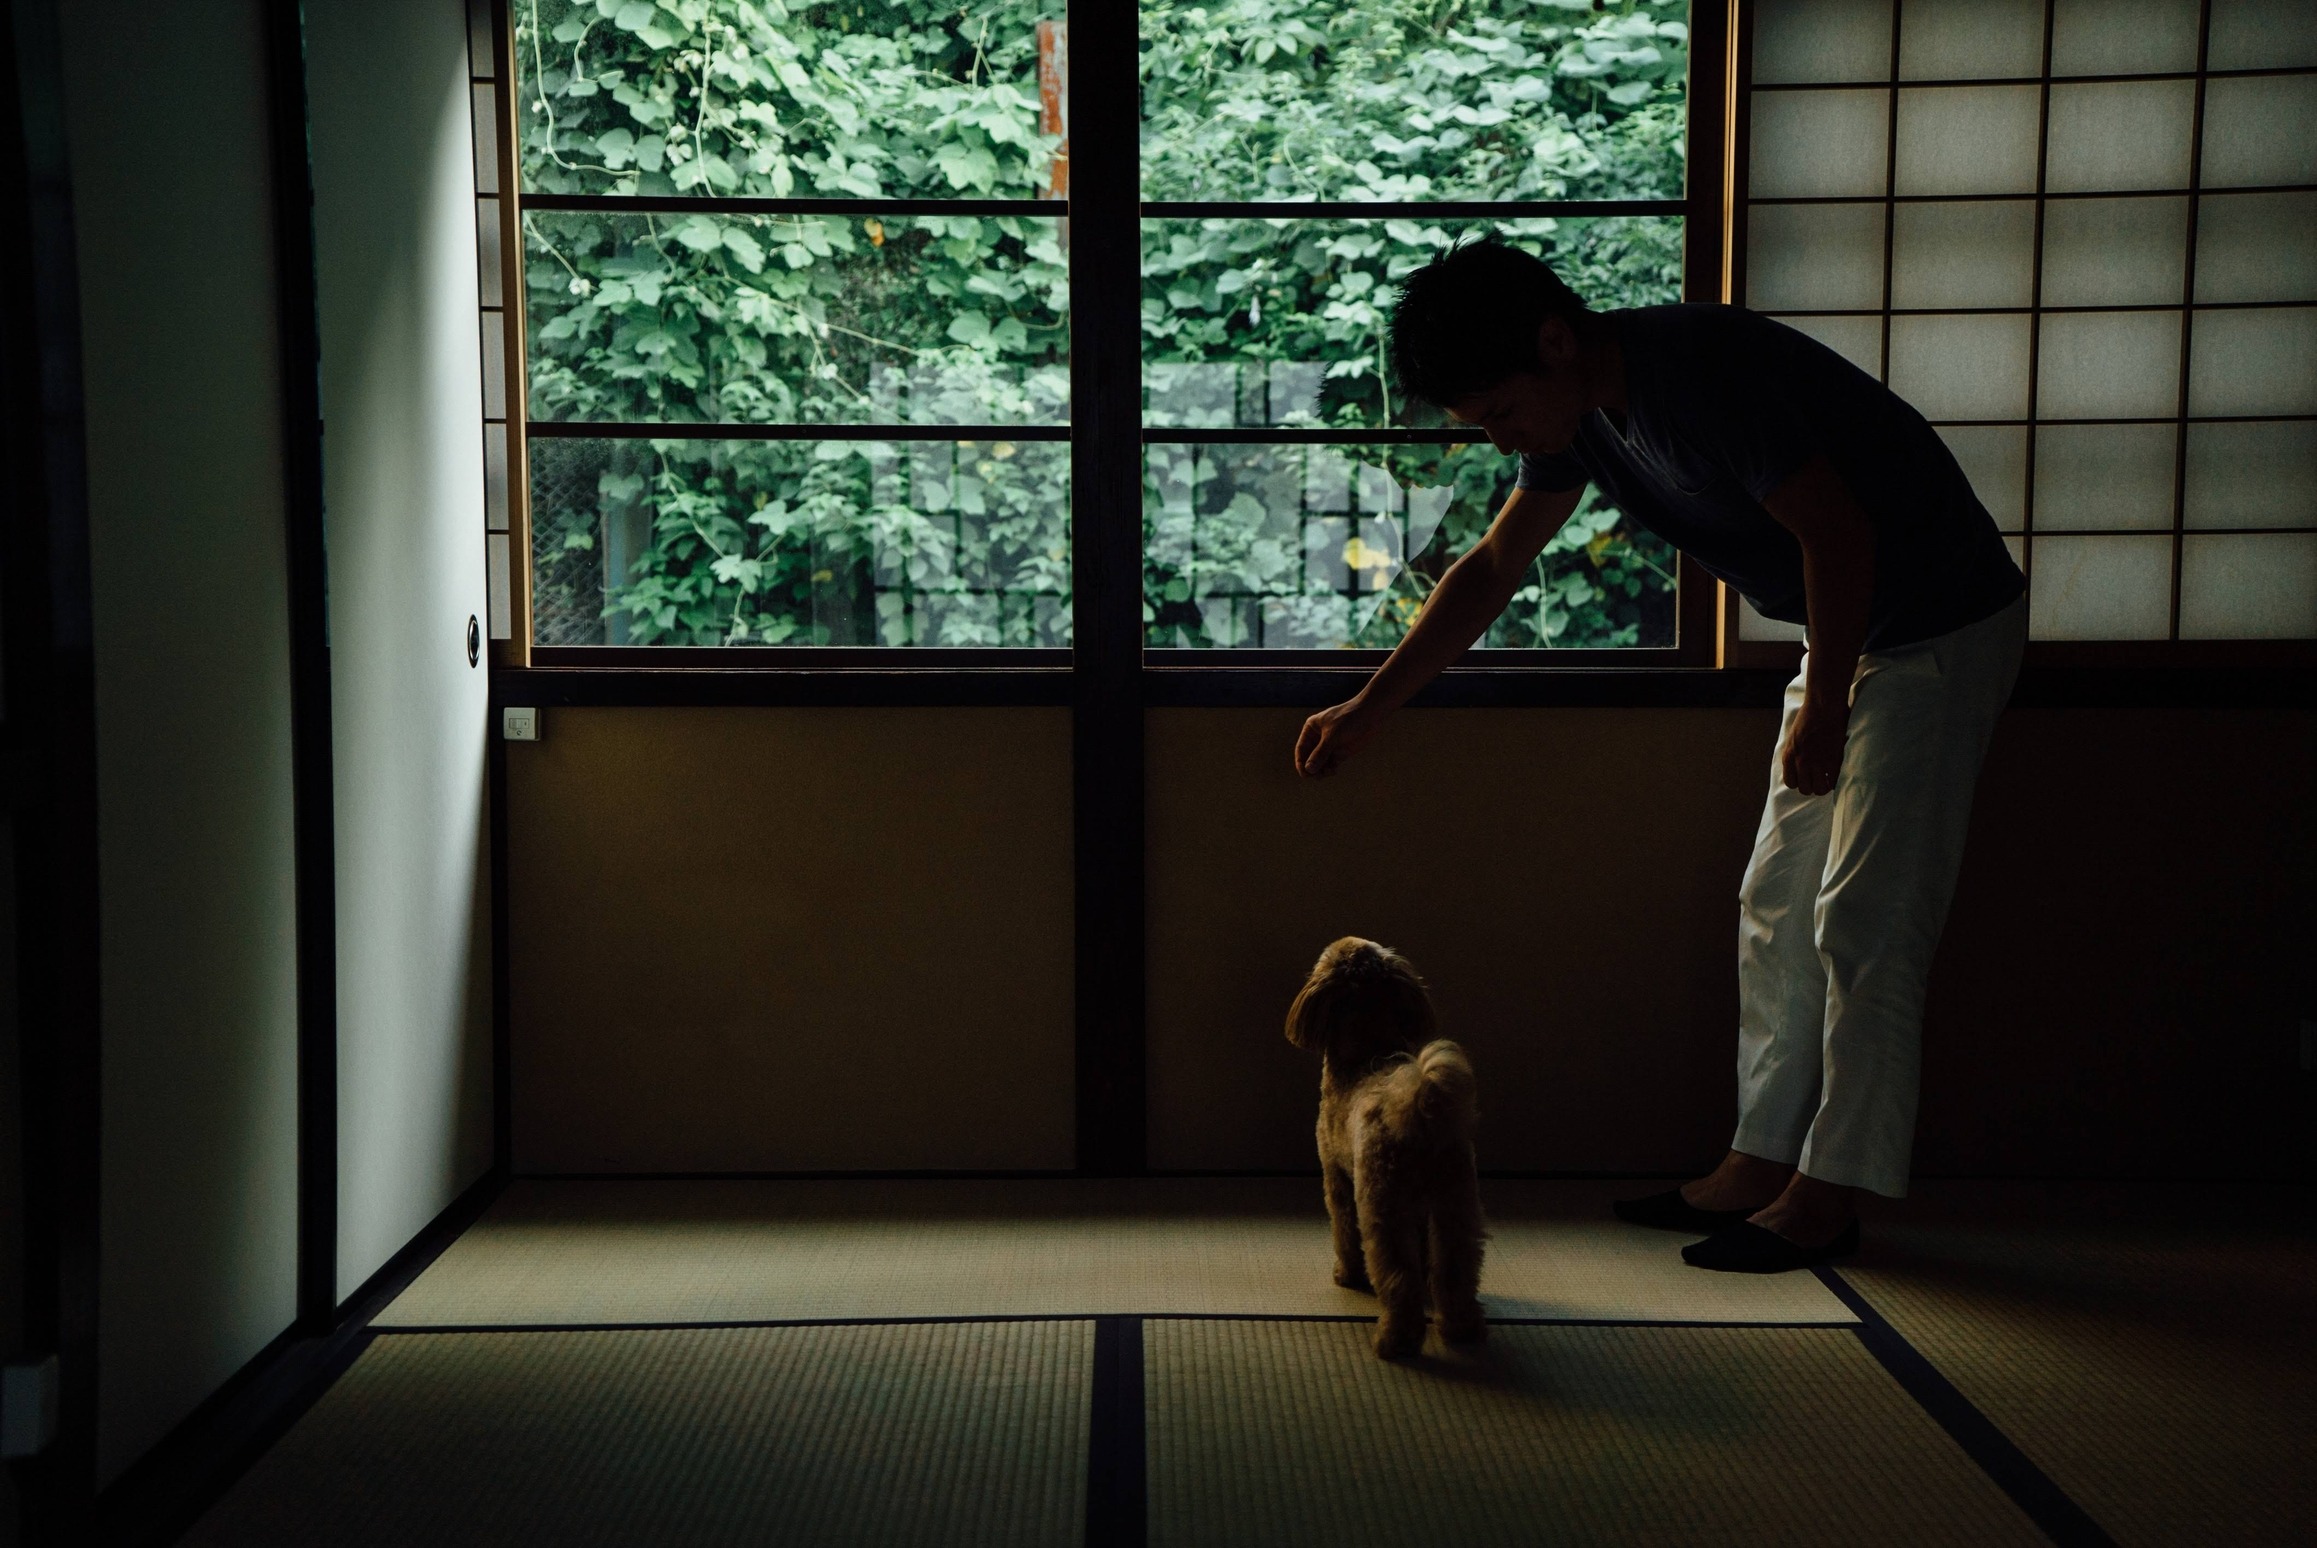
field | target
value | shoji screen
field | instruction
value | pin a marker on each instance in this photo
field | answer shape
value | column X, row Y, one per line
column 2081, row 237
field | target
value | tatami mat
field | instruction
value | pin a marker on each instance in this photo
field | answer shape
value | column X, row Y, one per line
column 2163, row 1372
column 1279, row 1434
column 565, row 1253
column 689, row 1437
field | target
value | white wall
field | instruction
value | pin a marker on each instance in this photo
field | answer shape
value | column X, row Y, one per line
column 167, row 127
column 402, row 399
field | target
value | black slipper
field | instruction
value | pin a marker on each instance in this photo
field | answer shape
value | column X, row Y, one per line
column 1669, row 1211
column 1746, row 1248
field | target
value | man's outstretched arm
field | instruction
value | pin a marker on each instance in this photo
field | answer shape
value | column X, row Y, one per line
column 1838, row 584
column 1467, row 600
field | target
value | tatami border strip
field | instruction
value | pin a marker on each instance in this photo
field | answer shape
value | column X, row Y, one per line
column 1117, row 1443
column 1098, row 1318
column 2030, row 1487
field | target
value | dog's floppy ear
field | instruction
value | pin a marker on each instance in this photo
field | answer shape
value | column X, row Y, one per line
column 1314, row 1007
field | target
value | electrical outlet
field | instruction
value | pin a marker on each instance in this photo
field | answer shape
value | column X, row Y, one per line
column 519, row 725
column 27, row 1408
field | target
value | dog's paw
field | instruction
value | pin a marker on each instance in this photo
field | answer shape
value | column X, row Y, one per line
column 1398, row 1340
column 1352, row 1276
column 1464, row 1328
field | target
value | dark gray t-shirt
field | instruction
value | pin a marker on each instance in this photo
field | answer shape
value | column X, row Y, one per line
column 1722, row 406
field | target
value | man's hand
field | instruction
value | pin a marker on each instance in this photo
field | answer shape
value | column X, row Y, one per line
column 1333, row 735
column 1812, row 756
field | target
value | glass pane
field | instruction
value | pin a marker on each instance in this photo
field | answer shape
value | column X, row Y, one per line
column 1822, row 40
column 2120, row 134
column 2257, row 587
column 1332, row 547
column 2254, row 362
column 2260, row 131
column 2109, row 365
column 1967, row 140
column 1814, row 257
column 2256, row 247
column 1858, row 340
column 2252, row 475
column 874, row 98
column 1994, row 458
column 2262, row 34
column 1958, row 39
column 961, row 543
column 2101, row 588
column 2114, row 252
column 797, row 318
column 1281, row 322
column 1963, row 255
column 1961, row 367
column 2103, row 477
column 1398, row 99
column 1818, row 144
column 2123, row 37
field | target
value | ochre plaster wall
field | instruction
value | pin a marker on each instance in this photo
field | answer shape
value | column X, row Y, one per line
column 791, row 939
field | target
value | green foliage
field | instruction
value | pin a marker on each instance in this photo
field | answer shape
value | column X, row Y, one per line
column 963, row 320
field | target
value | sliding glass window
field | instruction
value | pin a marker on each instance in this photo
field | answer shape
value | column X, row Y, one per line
column 1298, row 159
column 798, row 345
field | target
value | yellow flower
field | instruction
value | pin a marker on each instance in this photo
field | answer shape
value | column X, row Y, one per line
column 876, row 230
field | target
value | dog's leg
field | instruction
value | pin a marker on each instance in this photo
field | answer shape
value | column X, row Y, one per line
column 1343, row 1218
column 1456, row 1233
column 1392, row 1236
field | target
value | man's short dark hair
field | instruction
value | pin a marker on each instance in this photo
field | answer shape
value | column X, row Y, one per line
column 1468, row 319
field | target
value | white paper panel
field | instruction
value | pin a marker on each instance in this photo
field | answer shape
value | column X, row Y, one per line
column 494, row 343
column 1753, row 626
column 2256, row 247
column 1967, row 140
column 1994, row 458
column 1963, row 255
column 2123, row 37
column 2259, row 586
column 2103, row 477
column 1814, row 257
column 495, row 477
column 484, row 101
column 1858, row 340
column 1961, row 367
column 502, row 586
column 2120, row 134
column 491, row 273
column 1814, row 143
column 1822, row 40
column 1954, row 39
column 2254, row 362
column 2105, row 365
column 2101, row 588
column 2253, row 475
column 2262, row 34
column 2017, row 548
column 2260, row 130
column 2114, row 252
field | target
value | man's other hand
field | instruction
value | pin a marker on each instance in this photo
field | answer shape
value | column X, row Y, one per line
column 1812, row 756
column 1332, row 736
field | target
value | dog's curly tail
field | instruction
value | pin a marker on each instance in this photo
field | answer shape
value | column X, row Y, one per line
column 1442, row 1097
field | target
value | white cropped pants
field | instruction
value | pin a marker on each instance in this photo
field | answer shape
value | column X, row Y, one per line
column 1843, row 902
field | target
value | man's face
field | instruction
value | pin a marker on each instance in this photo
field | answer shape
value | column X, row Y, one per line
column 1532, row 411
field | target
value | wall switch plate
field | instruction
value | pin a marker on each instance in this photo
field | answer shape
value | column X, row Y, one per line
column 519, row 725
column 27, row 1408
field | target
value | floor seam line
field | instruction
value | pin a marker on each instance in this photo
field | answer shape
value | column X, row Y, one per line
column 1994, row 1453
column 1846, row 1325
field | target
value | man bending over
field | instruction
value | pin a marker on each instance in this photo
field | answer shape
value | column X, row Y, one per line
column 1807, row 485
